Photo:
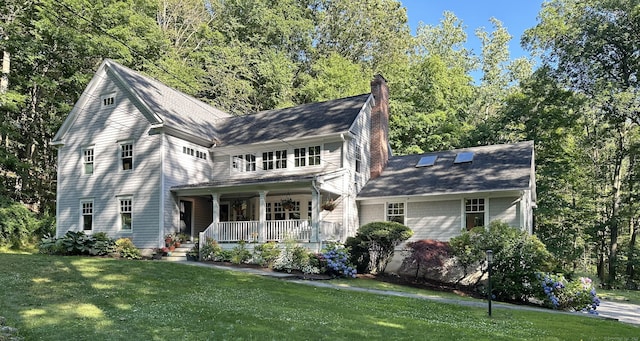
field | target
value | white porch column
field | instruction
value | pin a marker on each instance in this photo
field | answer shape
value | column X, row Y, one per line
column 215, row 204
column 315, row 215
column 262, row 218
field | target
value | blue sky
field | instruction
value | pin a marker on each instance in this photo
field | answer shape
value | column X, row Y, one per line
column 515, row 15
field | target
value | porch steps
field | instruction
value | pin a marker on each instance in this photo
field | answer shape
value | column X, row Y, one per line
column 180, row 253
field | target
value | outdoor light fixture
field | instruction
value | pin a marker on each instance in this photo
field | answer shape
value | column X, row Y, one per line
column 489, row 261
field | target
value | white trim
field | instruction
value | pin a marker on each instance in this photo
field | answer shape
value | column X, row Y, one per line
column 404, row 210
column 83, row 201
column 162, row 190
column 438, row 195
column 120, row 158
column 121, row 198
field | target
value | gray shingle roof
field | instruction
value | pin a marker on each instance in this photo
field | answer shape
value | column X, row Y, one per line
column 175, row 108
column 312, row 119
column 497, row 167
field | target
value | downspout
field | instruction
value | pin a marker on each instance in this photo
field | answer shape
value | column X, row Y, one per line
column 162, row 190
column 346, row 194
column 315, row 207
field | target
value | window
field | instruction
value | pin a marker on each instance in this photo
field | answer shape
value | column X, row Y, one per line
column 294, row 213
column 88, row 161
column 299, row 156
column 278, row 211
column 126, row 156
column 125, row 214
column 281, row 159
column 193, row 152
column 474, row 213
column 268, row 209
column 314, row 155
column 244, row 163
column 86, row 207
column 309, row 210
column 267, row 160
column 358, row 159
column 395, row 212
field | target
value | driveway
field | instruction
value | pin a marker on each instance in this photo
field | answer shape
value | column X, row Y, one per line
column 624, row 312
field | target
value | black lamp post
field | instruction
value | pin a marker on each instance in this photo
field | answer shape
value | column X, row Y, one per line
column 489, row 261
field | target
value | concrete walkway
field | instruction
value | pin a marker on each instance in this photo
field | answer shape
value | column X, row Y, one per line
column 624, row 312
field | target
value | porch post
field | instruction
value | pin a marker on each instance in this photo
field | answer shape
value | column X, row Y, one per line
column 262, row 219
column 215, row 204
column 315, row 215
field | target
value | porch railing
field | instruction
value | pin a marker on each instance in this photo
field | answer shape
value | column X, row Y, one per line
column 274, row 230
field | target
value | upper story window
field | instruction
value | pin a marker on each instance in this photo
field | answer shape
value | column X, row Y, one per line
column 267, row 160
column 86, row 208
column 87, row 156
column 395, row 212
column 108, row 100
column 126, row 155
column 281, row 159
column 300, row 157
column 126, row 211
column 193, row 152
column 314, row 155
column 474, row 213
column 244, row 163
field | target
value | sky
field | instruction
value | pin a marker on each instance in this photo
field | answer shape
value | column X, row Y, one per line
column 515, row 15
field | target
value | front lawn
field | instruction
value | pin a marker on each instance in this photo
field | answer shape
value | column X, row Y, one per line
column 81, row 298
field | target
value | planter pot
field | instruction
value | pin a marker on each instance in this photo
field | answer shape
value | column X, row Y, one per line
column 192, row 258
column 172, row 247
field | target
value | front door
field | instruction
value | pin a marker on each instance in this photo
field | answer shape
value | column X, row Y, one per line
column 186, row 211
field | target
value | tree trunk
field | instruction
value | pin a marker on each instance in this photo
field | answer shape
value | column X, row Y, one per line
column 614, row 222
column 630, row 273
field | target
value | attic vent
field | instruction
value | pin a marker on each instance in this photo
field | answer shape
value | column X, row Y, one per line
column 426, row 161
column 108, row 100
column 464, row 157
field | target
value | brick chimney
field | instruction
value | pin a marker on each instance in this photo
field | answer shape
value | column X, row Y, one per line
column 379, row 126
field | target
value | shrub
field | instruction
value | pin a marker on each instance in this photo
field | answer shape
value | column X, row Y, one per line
column 557, row 292
column 102, row 245
column 380, row 239
column 266, row 254
column 517, row 257
column 211, row 250
column 76, row 243
column 295, row 257
column 17, row 224
column 426, row 253
column 126, row 249
column 240, row 254
column 337, row 261
column 359, row 254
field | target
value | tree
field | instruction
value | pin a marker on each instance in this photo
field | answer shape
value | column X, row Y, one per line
column 594, row 47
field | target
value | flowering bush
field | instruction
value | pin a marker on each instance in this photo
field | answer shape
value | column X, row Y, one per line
column 295, row 257
column 336, row 257
column 557, row 292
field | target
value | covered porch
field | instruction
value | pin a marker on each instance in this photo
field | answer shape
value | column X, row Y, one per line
column 258, row 211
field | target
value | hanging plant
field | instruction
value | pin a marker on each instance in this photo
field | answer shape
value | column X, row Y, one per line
column 329, row 205
column 288, row 204
column 237, row 206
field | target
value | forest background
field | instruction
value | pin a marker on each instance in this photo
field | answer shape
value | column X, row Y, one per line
column 579, row 101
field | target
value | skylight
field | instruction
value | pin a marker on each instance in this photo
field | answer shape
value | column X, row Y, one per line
column 427, row 161
column 464, row 157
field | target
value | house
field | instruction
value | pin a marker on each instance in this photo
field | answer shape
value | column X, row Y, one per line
column 139, row 159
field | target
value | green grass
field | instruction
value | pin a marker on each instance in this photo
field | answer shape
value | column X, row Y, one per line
column 80, row 298
column 620, row 295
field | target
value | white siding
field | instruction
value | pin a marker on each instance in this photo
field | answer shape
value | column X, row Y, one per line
column 182, row 169
column 439, row 220
column 362, row 131
column 103, row 127
column 371, row 213
column 505, row 210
